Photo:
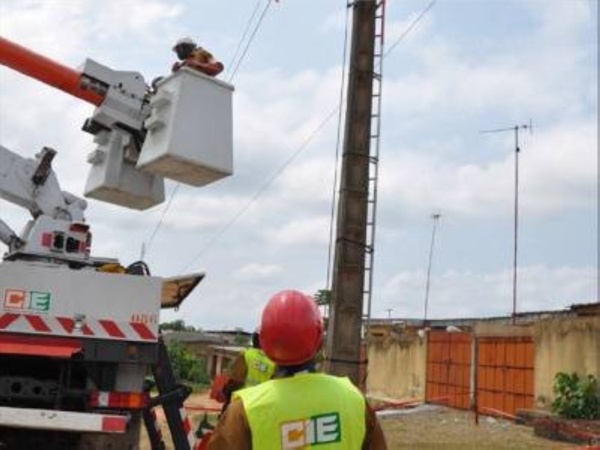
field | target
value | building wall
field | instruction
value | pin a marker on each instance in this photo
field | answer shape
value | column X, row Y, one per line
column 215, row 362
column 569, row 344
column 396, row 367
column 566, row 343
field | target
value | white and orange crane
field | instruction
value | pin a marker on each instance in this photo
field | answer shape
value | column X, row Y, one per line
column 79, row 333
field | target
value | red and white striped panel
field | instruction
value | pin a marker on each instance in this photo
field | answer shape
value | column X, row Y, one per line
column 187, row 426
column 46, row 419
column 157, row 428
column 66, row 326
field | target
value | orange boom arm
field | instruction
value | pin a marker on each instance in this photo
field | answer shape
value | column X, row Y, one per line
column 45, row 70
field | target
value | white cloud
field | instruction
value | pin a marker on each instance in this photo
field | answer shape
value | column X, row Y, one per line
column 456, row 294
column 207, row 212
column 300, row 232
column 334, row 22
column 395, row 29
column 558, row 171
column 257, row 272
column 307, row 181
column 281, row 111
column 121, row 17
column 561, row 18
column 561, row 170
column 437, row 96
column 29, row 24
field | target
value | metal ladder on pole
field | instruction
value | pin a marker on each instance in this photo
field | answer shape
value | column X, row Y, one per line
column 373, row 161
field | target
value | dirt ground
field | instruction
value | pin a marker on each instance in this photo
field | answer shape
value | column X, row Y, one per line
column 433, row 427
column 427, row 427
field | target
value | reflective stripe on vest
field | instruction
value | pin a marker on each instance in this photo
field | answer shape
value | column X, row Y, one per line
column 259, row 367
column 306, row 410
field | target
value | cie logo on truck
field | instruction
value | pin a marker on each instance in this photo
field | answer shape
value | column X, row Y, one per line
column 34, row 301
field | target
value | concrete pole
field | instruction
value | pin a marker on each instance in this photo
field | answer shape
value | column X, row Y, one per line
column 343, row 342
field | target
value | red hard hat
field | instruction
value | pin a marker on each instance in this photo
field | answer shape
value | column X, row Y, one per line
column 291, row 329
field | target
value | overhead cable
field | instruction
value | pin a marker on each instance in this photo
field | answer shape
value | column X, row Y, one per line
column 243, row 38
column 302, row 146
column 337, row 149
column 250, row 39
column 237, row 66
column 410, row 28
column 262, row 189
column 160, row 221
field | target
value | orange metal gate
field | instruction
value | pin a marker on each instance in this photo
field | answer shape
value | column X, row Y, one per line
column 505, row 368
column 448, row 368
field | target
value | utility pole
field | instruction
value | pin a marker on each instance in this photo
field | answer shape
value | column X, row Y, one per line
column 436, row 218
column 344, row 334
column 516, row 129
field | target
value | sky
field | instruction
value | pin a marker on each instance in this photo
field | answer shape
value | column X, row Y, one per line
column 467, row 66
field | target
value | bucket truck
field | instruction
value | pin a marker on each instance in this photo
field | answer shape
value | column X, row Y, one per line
column 79, row 333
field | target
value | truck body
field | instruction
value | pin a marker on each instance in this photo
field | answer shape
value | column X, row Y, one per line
column 78, row 333
column 78, row 342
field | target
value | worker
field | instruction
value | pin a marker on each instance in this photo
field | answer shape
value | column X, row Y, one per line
column 251, row 367
column 193, row 56
column 303, row 408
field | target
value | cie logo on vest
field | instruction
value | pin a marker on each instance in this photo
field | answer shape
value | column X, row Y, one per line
column 260, row 366
column 321, row 429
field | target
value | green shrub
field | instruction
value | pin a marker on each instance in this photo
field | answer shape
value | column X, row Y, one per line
column 576, row 398
column 186, row 366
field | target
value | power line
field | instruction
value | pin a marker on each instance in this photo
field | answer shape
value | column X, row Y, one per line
column 244, row 34
column 337, row 151
column 146, row 247
column 250, row 39
column 262, row 189
column 410, row 28
column 302, row 146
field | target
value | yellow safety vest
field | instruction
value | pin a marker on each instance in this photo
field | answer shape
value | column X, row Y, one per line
column 304, row 411
column 259, row 367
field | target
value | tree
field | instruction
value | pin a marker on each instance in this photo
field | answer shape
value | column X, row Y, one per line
column 176, row 325
column 186, row 365
column 240, row 337
column 323, row 297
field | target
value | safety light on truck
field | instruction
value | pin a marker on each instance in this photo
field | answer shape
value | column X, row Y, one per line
column 118, row 400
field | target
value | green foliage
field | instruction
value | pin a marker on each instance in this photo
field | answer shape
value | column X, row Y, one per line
column 176, row 325
column 185, row 365
column 240, row 338
column 323, row 297
column 576, row 398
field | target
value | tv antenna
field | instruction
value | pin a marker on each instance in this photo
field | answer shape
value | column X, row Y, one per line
column 515, row 129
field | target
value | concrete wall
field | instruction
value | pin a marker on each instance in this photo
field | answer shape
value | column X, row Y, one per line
column 396, row 367
column 397, row 360
column 569, row 344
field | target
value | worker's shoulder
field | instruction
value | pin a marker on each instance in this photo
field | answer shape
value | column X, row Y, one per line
column 342, row 387
column 201, row 52
column 236, row 408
